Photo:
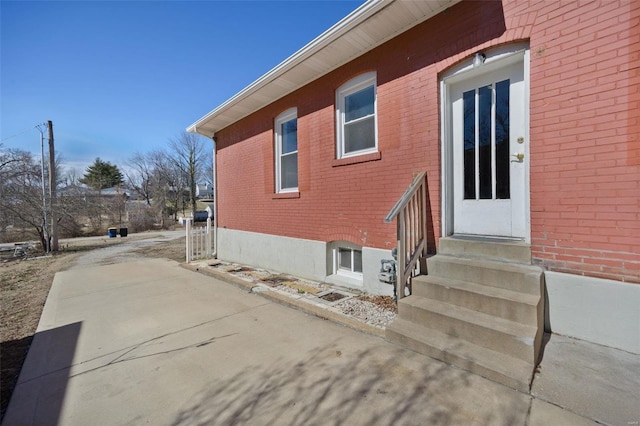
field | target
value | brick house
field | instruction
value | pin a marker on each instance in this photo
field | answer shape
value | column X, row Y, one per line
column 516, row 123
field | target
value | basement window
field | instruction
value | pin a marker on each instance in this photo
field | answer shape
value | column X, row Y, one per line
column 347, row 261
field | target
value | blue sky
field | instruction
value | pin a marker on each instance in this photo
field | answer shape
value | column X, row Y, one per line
column 119, row 77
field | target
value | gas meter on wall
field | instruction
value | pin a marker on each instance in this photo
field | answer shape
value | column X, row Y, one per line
column 387, row 272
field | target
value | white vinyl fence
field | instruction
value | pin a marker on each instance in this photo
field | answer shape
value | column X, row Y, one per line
column 200, row 240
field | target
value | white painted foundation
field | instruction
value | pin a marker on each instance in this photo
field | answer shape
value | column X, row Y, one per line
column 295, row 256
column 602, row 311
column 308, row 259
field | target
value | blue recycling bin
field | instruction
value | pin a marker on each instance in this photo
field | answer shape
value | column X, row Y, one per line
column 112, row 232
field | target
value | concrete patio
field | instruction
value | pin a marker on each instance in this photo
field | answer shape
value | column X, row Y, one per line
column 150, row 342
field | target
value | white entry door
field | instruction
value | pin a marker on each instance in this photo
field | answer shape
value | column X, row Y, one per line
column 489, row 155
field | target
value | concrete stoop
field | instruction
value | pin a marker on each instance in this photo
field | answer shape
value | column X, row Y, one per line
column 480, row 308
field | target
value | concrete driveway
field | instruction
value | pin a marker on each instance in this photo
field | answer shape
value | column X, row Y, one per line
column 125, row 252
column 148, row 342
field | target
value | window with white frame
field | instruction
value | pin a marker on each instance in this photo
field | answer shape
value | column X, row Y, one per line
column 356, row 116
column 286, row 138
column 348, row 262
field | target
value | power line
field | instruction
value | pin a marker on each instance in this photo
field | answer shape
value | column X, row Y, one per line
column 23, row 132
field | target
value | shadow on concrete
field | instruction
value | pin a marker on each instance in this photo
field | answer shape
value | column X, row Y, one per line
column 40, row 390
column 323, row 389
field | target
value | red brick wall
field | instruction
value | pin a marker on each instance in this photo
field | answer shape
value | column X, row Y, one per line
column 584, row 120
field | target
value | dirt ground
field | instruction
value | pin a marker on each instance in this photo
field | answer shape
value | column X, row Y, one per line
column 25, row 284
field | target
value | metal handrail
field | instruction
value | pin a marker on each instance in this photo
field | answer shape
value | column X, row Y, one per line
column 410, row 212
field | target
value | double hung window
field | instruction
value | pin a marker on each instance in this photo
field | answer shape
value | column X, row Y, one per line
column 286, row 137
column 356, row 117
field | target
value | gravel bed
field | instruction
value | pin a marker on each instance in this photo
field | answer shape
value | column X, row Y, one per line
column 366, row 312
column 379, row 314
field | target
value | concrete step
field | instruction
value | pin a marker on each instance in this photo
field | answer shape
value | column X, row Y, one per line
column 497, row 334
column 511, row 276
column 486, row 248
column 511, row 305
column 493, row 365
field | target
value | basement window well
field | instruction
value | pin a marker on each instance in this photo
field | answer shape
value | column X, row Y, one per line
column 344, row 262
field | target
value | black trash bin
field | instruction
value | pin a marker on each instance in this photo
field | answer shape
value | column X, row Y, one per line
column 124, row 232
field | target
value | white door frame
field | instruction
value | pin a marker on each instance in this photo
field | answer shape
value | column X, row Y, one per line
column 495, row 59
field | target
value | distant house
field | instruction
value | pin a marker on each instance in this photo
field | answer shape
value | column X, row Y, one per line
column 87, row 192
column 502, row 136
column 115, row 192
column 204, row 190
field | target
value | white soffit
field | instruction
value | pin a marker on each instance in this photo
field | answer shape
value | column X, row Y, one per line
column 369, row 26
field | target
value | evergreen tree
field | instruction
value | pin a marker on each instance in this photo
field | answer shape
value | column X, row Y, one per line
column 101, row 175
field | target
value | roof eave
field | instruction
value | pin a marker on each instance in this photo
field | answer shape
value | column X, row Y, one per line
column 206, row 125
column 358, row 15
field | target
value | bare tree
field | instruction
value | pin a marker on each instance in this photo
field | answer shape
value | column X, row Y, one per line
column 21, row 193
column 141, row 175
column 168, row 184
column 188, row 154
column 72, row 202
column 72, row 177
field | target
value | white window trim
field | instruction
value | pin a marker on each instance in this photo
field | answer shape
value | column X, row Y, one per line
column 350, row 87
column 287, row 115
column 336, row 263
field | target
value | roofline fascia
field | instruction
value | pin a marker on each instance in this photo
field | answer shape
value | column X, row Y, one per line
column 350, row 21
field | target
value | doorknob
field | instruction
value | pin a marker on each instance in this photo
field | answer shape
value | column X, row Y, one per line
column 519, row 156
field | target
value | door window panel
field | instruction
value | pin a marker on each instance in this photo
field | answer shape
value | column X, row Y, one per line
column 486, row 142
column 469, row 105
column 503, row 183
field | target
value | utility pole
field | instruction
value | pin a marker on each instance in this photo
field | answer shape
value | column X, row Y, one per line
column 45, row 226
column 52, row 189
